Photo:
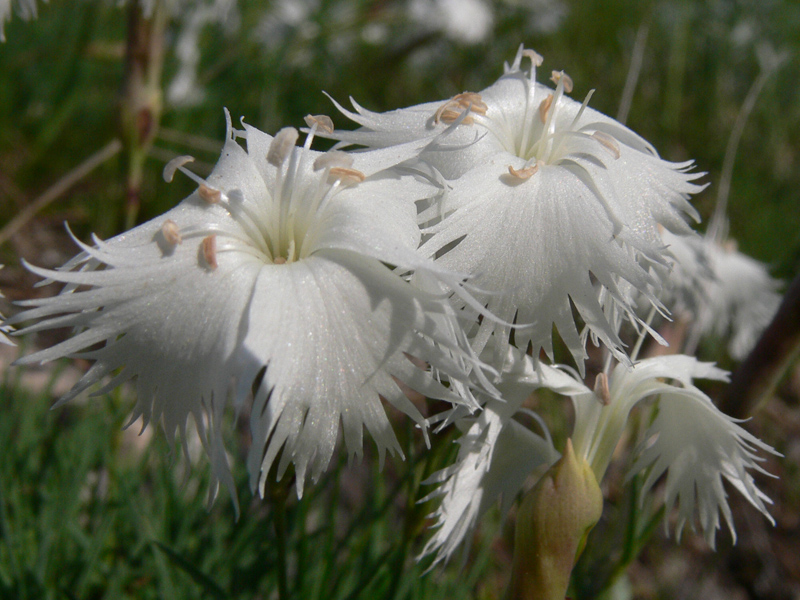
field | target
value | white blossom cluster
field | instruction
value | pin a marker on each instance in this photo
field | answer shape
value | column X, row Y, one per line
column 436, row 258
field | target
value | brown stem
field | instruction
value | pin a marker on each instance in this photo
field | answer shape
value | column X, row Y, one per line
column 779, row 345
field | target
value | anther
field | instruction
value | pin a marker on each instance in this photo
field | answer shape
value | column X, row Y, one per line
column 210, row 251
column 608, row 142
column 171, row 232
column 559, row 76
column 175, row 164
column 544, row 107
column 210, row 195
column 446, row 106
column 450, row 116
column 536, row 58
column 346, row 176
column 323, row 122
column 524, row 174
column 472, row 101
column 279, row 261
column 601, row 390
column 333, row 158
column 282, row 144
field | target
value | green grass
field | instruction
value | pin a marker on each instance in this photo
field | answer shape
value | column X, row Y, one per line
column 84, row 513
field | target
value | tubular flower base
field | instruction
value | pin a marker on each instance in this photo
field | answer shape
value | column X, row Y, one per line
column 544, row 194
column 271, row 278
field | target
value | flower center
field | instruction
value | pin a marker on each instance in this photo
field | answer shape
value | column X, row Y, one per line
column 275, row 229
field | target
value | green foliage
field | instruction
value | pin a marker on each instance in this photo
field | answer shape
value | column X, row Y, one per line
column 84, row 513
column 87, row 512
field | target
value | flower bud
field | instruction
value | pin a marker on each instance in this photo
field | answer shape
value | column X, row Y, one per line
column 552, row 525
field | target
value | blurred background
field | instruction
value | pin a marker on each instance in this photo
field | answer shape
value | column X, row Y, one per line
column 88, row 510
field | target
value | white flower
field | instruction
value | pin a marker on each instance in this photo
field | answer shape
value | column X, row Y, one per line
column 3, row 329
column 741, row 298
column 184, row 89
column 684, row 291
column 548, row 198
column 273, row 277
column 496, row 455
column 26, row 9
column 690, row 439
column 467, row 21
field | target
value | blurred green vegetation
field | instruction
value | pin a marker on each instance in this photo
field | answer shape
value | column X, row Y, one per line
column 84, row 516
column 61, row 75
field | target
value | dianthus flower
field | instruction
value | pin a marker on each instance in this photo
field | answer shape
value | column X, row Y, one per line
column 546, row 199
column 280, row 276
column 696, row 445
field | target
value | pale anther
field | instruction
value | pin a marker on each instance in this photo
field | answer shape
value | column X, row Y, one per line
column 608, row 142
column 333, row 158
column 282, row 144
column 210, row 251
column 346, row 176
column 279, row 261
column 561, row 76
column 536, row 58
column 525, row 173
column 451, row 116
column 210, row 195
column 174, row 165
column 323, row 122
column 171, row 232
column 601, row 390
column 544, row 107
column 472, row 101
column 446, row 106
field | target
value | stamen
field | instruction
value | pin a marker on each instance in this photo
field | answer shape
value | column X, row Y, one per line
column 536, row 58
column 175, row 164
column 472, row 101
column 210, row 195
column 450, row 116
column 525, row 173
column 558, row 76
column 323, row 122
column 210, row 251
column 601, row 390
column 608, row 142
column 279, row 261
column 171, row 232
column 446, row 106
column 282, row 144
column 333, row 158
column 346, row 176
column 544, row 107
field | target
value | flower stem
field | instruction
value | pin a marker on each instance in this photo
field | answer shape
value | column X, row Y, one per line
column 279, row 492
column 140, row 109
column 776, row 350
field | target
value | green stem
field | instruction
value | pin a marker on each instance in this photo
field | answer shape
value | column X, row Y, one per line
column 141, row 104
column 279, row 492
